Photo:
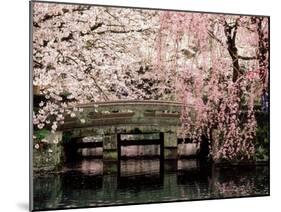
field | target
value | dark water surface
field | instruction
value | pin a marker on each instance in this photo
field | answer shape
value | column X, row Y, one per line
column 92, row 182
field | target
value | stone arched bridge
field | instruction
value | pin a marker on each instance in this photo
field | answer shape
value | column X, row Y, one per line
column 113, row 119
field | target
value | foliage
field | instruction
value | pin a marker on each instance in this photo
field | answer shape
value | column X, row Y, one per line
column 262, row 142
column 41, row 134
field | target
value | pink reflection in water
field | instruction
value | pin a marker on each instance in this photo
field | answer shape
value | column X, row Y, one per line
column 140, row 150
column 187, row 164
column 139, row 167
column 87, row 166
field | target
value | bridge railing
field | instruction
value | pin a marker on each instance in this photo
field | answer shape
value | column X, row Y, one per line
column 126, row 112
column 150, row 105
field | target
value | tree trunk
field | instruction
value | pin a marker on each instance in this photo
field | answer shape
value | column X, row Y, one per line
column 230, row 33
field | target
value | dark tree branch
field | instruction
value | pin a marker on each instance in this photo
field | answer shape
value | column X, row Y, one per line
column 247, row 57
column 68, row 38
column 35, row 24
column 99, row 88
column 97, row 25
column 212, row 35
column 117, row 19
column 122, row 31
column 230, row 31
column 70, row 58
column 263, row 49
column 37, row 64
column 93, row 28
column 87, row 71
column 63, row 12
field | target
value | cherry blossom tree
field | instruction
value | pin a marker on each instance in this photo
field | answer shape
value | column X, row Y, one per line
column 215, row 64
column 221, row 66
column 86, row 54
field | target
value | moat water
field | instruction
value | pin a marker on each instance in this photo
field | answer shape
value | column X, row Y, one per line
column 91, row 183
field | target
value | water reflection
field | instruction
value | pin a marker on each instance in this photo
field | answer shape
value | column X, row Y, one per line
column 95, row 183
column 85, row 166
column 137, row 176
column 139, row 167
column 251, row 180
column 90, row 152
column 140, row 150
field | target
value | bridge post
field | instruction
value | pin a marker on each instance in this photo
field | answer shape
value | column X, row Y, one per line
column 170, row 145
column 110, row 151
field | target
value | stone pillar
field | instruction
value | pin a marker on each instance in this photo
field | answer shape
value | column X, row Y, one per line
column 110, row 152
column 170, row 146
column 48, row 155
